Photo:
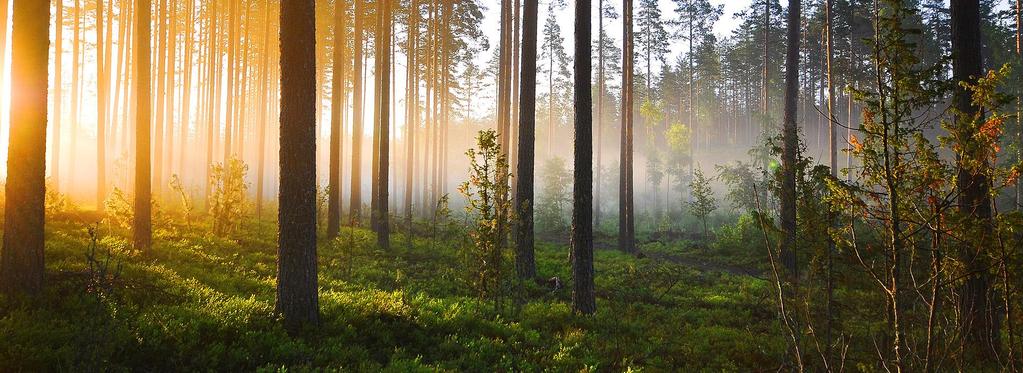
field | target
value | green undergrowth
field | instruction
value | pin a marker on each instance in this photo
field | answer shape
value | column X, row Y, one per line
column 199, row 302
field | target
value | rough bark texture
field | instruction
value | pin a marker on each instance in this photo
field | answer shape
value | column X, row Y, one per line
column 626, row 222
column 143, row 223
column 21, row 260
column 383, row 93
column 979, row 326
column 790, row 142
column 297, row 298
column 336, row 111
column 583, row 299
column 525, row 261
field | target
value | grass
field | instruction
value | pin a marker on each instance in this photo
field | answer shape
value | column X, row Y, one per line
column 199, row 302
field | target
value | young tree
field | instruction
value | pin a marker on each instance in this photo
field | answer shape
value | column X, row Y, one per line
column 703, row 202
column 790, row 142
column 143, row 221
column 583, row 299
column 525, row 262
column 297, row 298
column 21, row 260
column 626, row 219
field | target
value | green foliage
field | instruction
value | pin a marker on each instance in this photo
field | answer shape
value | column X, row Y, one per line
column 187, row 205
column 489, row 209
column 227, row 201
column 555, row 196
column 702, row 203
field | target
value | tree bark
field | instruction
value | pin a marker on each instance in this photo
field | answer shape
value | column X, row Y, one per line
column 525, row 261
column 626, row 222
column 583, row 298
column 297, row 298
column 143, row 224
column 21, row 260
column 336, row 111
column 382, row 90
column 980, row 327
column 790, row 142
column 357, row 131
column 58, row 83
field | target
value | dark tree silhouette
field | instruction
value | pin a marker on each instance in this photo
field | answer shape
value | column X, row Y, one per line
column 790, row 141
column 297, row 298
column 338, row 89
column 21, row 260
column 143, row 220
column 979, row 327
column 626, row 219
column 525, row 261
column 583, row 299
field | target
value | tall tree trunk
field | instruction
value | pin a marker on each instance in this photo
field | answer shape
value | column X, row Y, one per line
column 103, row 81
column 626, row 222
column 297, row 298
column 583, row 298
column 790, row 142
column 382, row 90
column 264, row 112
column 160, row 90
column 143, row 224
column 980, row 326
column 412, row 106
column 525, row 261
column 337, row 90
column 766, row 94
column 504, row 77
column 58, row 83
column 600, row 114
column 1019, row 100
column 76, row 83
column 186, row 95
column 21, row 260
column 833, row 161
column 357, row 131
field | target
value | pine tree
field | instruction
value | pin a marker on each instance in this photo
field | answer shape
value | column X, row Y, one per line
column 21, row 260
column 143, row 220
column 790, row 142
column 297, row 298
column 338, row 89
column 525, row 262
column 583, row 298
column 626, row 218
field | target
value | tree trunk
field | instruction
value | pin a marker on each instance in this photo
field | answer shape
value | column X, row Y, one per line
column 979, row 325
column 525, row 262
column 58, row 83
column 600, row 115
column 102, row 94
column 790, row 142
column 21, row 260
column 356, row 198
column 297, row 298
column 833, row 160
column 264, row 113
column 583, row 298
column 382, row 91
column 143, row 224
column 76, row 83
column 626, row 223
column 336, row 111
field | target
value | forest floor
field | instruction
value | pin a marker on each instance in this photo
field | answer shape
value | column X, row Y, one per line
column 202, row 302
